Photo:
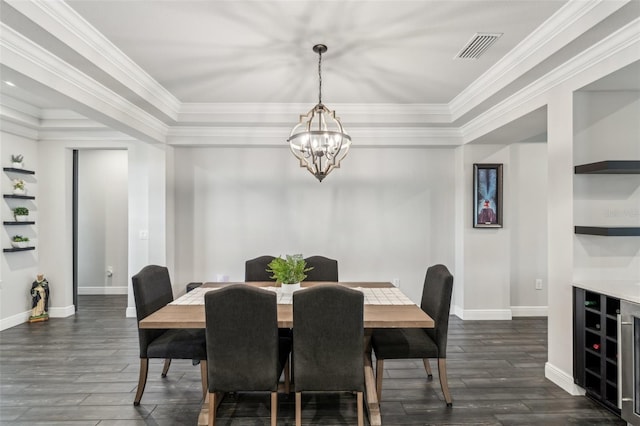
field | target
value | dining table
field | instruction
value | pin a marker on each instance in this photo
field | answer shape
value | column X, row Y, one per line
column 385, row 306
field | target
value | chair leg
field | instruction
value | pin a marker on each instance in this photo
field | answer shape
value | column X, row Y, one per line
column 379, row 373
column 359, row 398
column 298, row 409
column 427, row 368
column 165, row 369
column 287, row 376
column 205, row 377
column 212, row 409
column 442, row 372
column 274, row 408
column 142, row 380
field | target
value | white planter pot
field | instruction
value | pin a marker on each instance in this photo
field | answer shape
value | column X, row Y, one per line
column 16, row 165
column 18, row 191
column 19, row 244
column 290, row 288
column 22, row 218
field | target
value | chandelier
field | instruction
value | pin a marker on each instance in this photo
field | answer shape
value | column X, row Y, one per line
column 318, row 140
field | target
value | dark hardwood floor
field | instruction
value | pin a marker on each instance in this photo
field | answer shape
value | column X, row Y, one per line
column 83, row 370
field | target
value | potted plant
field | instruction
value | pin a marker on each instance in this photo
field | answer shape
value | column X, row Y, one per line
column 21, row 214
column 289, row 271
column 18, row 241
column 16, row 161
column 19, row 187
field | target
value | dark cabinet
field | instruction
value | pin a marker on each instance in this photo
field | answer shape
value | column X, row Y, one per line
column 595, row 346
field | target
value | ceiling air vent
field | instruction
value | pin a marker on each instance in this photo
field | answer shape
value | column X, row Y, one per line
column 478, row 44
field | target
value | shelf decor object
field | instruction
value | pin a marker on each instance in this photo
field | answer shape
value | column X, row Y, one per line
column 21, row 213
column 319, row 141
column 487, row 195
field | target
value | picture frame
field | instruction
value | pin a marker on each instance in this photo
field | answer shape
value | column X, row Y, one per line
column 487, row 195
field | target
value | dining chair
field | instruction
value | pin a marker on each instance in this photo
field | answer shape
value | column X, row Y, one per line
column 324, row 269
column 244, row 351
column 256, row 269
column 408, row 343
column 328, row 343
column 152, row 290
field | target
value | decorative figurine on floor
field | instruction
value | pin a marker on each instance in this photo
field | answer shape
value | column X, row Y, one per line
column 39, row 300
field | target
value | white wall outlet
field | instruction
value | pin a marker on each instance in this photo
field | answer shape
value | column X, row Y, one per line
column 109, row 271
column 144, row 234
column 396, row 282
column 538, row 284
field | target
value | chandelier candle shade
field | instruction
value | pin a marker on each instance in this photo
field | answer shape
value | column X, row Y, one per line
column 319, row 140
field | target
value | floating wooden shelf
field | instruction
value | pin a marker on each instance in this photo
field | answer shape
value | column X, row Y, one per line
column 19, row 197
column 12, row 249
column 609, row 167
column 19, row 223
column 14, row 170
column 609, row 231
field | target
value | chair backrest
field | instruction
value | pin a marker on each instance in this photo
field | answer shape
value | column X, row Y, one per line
column 328, row 339
column 324, row 269
column 242, row 339
column 151, row 291
column 256, row 269
column 436, row 300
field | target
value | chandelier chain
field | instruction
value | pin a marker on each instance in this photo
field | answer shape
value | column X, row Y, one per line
column 320, row 77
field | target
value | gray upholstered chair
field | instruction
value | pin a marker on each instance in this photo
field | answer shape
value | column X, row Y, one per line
column 324, row 269
column 408, row 343
column 328, row 342
column 151, row 291
column 244, row 351
column 256, row 269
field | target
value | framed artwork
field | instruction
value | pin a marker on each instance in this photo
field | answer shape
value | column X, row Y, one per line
column 487, row 195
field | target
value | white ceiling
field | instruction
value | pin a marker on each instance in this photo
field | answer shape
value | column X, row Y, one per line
column 209, row 63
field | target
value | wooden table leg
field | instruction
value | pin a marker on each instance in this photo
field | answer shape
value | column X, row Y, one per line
column 372, row 404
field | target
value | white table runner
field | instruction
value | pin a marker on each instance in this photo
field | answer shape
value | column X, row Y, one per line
column 372, row 296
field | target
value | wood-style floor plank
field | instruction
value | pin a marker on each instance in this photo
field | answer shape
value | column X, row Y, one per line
column 83, row 371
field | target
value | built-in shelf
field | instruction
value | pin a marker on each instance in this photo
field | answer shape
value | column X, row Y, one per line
column 609, row 231
column 13, row 249
column 609, row 167
column 18, row 223
column 19, row 197
column 15, row 170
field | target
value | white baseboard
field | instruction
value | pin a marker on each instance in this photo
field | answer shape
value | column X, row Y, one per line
column 458, row 311
column 23, row 317
column 484, row 314
column 99, row 290
column 63, row 312
column 529, row 311
column 562, row 379
column 14, row 320
column 131, row 312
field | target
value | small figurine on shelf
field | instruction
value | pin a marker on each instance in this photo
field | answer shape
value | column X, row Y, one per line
column 19, row 187
column 16, row 161
column 39, row 299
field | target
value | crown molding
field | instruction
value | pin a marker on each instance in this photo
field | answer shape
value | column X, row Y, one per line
column 84, row 135
column 569, row 22
column 285, row 114
column 617, row 50
column 21, row 54
column 63, row 22
column 14, row 128
column 277, row 136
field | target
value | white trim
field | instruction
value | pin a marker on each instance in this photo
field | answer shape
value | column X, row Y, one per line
column 64, row 23
column 63, row 312
column 23, row 317
column 569, row 22
column 459, row 312
column 562, row 379
column 101, row 290
column 131, row 312
column 14, row 320
column 8, row 126
column 486, row 314
column 529, row 311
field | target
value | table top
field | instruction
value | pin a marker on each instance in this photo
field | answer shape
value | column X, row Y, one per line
column 375, row 315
